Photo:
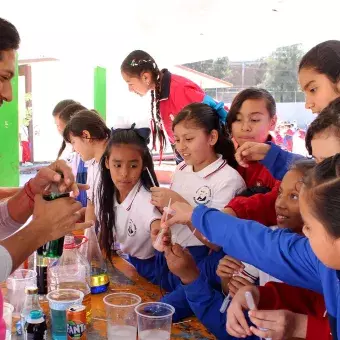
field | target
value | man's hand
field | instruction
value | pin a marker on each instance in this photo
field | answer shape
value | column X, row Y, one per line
column 51, row 174
column 251, row 151
column 57, row 218
column 181, row 263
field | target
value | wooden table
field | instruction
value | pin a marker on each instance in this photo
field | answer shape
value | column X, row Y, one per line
column 123, row 277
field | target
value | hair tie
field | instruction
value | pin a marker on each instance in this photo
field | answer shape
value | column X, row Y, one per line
column 144, row 133
column 135, row 63
column 217, row 106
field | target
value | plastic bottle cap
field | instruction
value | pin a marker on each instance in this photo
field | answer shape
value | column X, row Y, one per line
column 31, row 290
column 35, row 314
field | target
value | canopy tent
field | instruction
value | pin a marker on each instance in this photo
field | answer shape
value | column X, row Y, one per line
column 174, row 32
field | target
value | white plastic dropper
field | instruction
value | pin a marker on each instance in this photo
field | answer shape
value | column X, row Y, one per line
column 251, row 306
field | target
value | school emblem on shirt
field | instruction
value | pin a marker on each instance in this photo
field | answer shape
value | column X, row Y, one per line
column 131, row 228
column 203, row 195
column 259, row 183
column 172, row 117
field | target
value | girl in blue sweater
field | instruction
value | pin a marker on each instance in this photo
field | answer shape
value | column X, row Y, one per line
column 311, row 262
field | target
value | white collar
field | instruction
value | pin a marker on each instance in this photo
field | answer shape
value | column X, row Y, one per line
column 127, row 203
column 210, row 169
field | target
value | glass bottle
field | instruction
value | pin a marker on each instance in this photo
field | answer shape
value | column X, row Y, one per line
column 71, row 271
column 53, row 248
column 31, row 303
column 91, row 250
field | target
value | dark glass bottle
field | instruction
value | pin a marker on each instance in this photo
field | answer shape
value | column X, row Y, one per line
column 54, row 248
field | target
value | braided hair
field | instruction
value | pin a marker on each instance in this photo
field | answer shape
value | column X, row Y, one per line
column 135, row 64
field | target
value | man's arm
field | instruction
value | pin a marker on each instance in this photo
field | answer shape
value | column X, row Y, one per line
column 20, row 206
column 15, row 249
column 51, row 220
column 8, row 192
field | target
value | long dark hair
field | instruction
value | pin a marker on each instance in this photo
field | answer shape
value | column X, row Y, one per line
column 89, row 121
column 328, row 119
column 322, row 186
column 107, row 189
column 205, row 117
column 136, row 63
column 250, row 93
column 63, row 104
column 325, row 59
column 65, row 115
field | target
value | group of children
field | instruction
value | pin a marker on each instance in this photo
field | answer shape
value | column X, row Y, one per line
column 239, row 204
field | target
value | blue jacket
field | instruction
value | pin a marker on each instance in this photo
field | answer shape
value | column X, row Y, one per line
column 285, row 255
column 279, row 161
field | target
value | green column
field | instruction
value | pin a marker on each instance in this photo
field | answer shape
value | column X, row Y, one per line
column 100, row 91
column 9, row 134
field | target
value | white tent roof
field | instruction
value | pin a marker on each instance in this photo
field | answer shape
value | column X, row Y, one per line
column 173, row 31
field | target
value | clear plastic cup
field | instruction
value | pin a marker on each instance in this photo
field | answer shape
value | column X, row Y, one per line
column 154, row 320
column 16, row 284
column 7, row 314
column 121, row 316
column 60, row 300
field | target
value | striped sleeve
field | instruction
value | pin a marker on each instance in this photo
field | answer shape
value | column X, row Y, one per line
column 5, row 264
column 7, row 225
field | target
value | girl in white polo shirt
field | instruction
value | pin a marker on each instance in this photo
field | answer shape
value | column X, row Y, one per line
column 207, row 176
column 88, row 134
column 126, row 215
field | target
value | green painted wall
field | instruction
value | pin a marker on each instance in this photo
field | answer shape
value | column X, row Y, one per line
column 100, row 91
column 9, row 134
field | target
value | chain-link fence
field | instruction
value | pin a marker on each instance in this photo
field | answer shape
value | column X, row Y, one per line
column 227, row 95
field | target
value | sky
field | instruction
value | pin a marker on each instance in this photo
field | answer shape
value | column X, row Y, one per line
column 103, row 32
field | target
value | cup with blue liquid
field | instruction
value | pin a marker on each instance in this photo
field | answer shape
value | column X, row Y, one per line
column 59, row 301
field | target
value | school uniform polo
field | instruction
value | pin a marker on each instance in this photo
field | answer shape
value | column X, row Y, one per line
column 134, row 217
column 214, row 186
column 93, row 180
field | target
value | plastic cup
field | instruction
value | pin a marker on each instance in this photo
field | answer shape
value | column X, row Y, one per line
column 7, row 315
column 121, row 316
column 16, row 284
column 154, row 320
column 59, row 301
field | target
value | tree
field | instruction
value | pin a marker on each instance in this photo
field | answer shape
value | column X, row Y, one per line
column 218, row 68
column 281, row 76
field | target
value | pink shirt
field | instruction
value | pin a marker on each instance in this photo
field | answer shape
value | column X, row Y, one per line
column 2, row 321
column 7, row 227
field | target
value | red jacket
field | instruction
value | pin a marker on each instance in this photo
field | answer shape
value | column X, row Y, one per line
column 276, row 295
column 176, row 93
column 259, row 207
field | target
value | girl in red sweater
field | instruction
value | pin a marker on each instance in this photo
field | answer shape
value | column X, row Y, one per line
column 170, row 93
column 251, row 117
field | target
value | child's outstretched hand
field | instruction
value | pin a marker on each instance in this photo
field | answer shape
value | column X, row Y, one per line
column 180, row 214
column 237, row 324
column 160, row 197
column 227, row 267
column 251, row 151
column 160, row 238
column 181, row 263
column 236, row 283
